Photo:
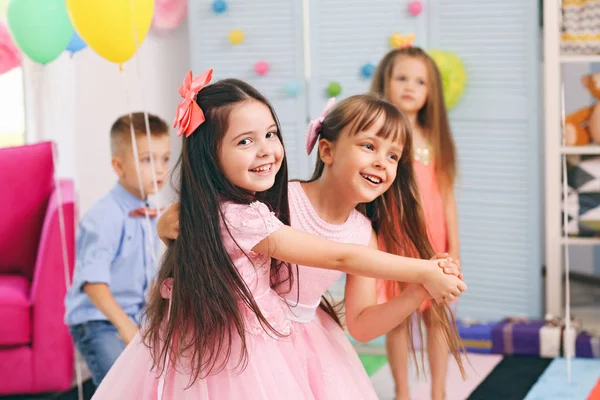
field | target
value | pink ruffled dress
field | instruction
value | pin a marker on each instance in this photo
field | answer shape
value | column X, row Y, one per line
column 277, row 368
column 334, row 369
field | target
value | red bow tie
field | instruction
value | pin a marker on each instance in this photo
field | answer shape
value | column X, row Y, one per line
column 142, row 211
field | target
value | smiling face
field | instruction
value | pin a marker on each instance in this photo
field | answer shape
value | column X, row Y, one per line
column 366, row 161
column 251, row 154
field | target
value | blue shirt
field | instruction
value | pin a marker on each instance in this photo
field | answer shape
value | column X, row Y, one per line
column 115, row 249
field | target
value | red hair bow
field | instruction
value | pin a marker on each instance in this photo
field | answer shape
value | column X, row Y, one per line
column 189, row 114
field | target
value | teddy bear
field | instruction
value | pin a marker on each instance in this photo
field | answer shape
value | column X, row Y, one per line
column 583, row 125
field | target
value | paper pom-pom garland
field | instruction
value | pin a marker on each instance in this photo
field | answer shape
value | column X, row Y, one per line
column 219, row 6
column 168, row 14
column 236, row 36
column 334, row 89
column 367, row 70
column 454, row 76
column 261, row 68
column 415, row 7
column 293, row 88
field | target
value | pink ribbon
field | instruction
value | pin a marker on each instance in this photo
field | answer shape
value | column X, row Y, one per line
column 166, row 288
column 315, row 126
column 189, row 114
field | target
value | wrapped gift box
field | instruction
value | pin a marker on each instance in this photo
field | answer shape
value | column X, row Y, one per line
column 587, row 345
column 551, row 335
column 517, row 336
column 476, row 336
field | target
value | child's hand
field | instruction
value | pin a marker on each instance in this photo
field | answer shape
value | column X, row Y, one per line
column 128, row 331
column 442, row 287
column 167, row 226
column 453, row 266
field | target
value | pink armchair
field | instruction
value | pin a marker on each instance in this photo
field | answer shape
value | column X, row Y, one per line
column 36, row 350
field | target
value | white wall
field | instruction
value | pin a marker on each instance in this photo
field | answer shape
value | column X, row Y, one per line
column 74, row 101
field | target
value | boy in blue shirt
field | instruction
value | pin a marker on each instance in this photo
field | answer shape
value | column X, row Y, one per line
column 116, row 248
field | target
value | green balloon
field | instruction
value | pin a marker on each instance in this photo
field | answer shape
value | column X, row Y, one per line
column 334, row 89
column 41, row 28
column 453, row 74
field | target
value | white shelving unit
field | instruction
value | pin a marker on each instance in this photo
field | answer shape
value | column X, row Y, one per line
column 554, row 152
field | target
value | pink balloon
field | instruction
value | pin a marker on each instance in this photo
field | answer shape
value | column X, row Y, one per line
column 261, row 68
column 168, row 14
column 415, row 7
column 10, row 56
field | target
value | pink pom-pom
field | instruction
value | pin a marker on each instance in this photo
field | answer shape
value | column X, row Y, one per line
column 261, row 68
column 415, row 7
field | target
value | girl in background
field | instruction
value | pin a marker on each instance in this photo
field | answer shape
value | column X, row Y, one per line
column 409, row 79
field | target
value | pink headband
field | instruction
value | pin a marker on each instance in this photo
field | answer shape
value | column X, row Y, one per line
column 189, row 114
column 315, row 126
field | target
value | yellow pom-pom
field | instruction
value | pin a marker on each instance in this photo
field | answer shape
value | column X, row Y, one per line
column 236, row 36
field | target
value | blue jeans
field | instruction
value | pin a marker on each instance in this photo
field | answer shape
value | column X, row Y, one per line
column 99, row 344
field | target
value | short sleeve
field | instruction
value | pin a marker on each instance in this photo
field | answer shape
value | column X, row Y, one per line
column 98, row 242
column 249, row 224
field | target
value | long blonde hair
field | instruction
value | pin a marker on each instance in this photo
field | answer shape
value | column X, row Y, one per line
column 433, row 117
column 396, row 215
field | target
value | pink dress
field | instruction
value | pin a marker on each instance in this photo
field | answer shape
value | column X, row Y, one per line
column 334, row 369
column 435, row 216
column 277, row 367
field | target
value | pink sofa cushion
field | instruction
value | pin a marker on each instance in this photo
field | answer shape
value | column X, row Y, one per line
column 26, row 181
column 15, row 311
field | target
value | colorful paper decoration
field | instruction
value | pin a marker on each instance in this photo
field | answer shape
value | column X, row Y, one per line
column 236, row 36
column 415, row 7
column 454, row 76
column 398, row 40
column 168, row 14
column 293, row 88
column 219, row 6
column 10, row 57
column 367, row 70
column 261, row 68
column 334, row 89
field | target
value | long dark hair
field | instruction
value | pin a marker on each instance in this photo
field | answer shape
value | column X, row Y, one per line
column 208, row 292
column 397, row 215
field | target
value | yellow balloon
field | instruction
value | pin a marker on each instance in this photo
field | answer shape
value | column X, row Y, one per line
column 113, row 28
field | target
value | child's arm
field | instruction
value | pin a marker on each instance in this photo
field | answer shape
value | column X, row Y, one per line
column 367, row 320
column 98, row 244
column 452, row 226
column 297, row 247
column 103, row 300
column 306, row 249
column 167, row 225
